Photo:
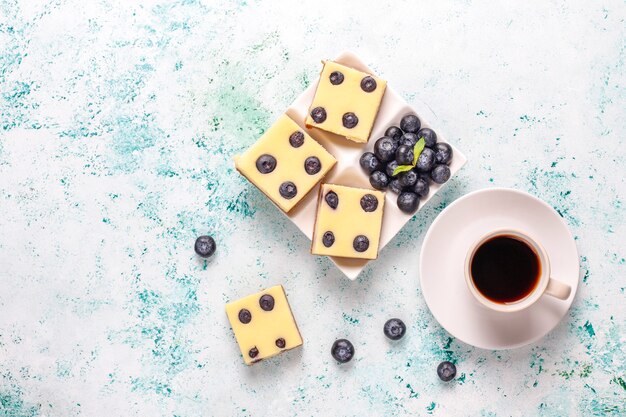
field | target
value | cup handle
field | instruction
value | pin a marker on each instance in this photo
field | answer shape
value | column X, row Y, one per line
column 558, row 290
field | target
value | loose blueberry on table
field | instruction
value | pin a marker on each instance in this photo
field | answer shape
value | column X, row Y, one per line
column 205, row 246
column 342, row 350
column 394, row 329
column 446, row 371
column 406, row 160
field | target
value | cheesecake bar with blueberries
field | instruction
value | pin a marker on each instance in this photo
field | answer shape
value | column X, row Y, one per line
column 263, row 324
column 346, row 102
column 348, row 222
column 285, row 163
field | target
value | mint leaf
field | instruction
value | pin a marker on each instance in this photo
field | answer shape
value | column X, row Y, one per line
column 402, row 168
column 417, row 150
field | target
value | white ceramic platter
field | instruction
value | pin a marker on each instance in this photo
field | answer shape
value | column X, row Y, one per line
column 442, row 267
column 348, row 171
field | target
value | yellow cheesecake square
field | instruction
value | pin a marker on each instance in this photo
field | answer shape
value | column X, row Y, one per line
column 346, row 102
column 263, row 324
column 285, row 163
column 348, row 222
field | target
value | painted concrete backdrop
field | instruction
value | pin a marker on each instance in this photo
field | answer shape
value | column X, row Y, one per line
column 117, row 123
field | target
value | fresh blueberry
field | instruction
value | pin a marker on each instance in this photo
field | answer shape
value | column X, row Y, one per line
column 394, row 186
column 328, row 239
column 332, row 199
column 370, row 163
column 426, row 160
column 446, row 371
column 407, row 178
column 379, row 180
column 369, row 203
column 440, row 173
column 429, row 135
column 288, row 190
column 265, row 163
column 394, row 132
column 280, row 343
column 336, row 78
column 421, row 187
column 349, row 120
column 409, row 139
column 361, row 243
column 385, row 149
column 266, row 302
column 425, row 176
column 443, row 153
column 245, row 316
column 296, row 139
column 394, row 329
column 404, row 155
column 391, row 166
column 318, row 115
column 205, row 246
column 410, row 123
column 368, row 84
column 342, row 350
column 408, row 201
column 396, row 142
column 312, row 165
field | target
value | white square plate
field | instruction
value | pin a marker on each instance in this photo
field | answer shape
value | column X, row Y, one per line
column 347, row 171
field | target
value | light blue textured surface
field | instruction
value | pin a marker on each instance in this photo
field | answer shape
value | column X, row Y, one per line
column 117, row 123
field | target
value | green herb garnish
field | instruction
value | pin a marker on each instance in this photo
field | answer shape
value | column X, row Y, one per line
column 417, row 151
column 402, row 168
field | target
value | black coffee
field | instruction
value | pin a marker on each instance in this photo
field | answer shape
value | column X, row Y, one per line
column 505, row 269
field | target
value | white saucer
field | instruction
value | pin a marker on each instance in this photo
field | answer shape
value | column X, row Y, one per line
column 443, row 253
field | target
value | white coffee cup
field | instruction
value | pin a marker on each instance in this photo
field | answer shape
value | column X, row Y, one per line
column 545, row 284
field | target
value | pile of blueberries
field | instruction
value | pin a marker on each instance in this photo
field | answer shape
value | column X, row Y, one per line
column 397, row 148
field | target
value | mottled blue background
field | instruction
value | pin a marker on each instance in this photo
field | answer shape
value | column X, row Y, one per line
column 117, row 123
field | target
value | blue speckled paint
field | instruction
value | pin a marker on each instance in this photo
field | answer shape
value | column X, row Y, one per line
column 118, row 121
